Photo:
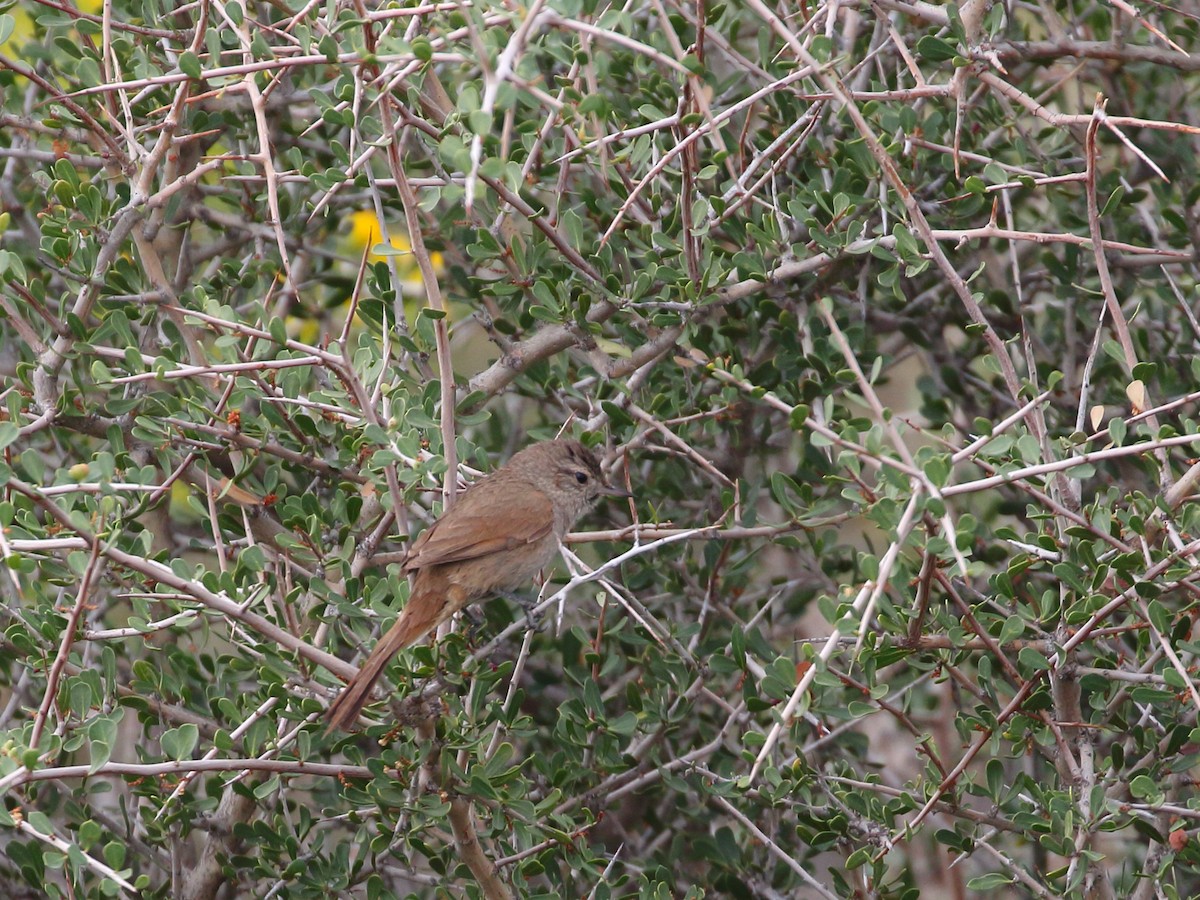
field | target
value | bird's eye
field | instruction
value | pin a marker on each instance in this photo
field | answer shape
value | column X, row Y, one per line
column 581, row 477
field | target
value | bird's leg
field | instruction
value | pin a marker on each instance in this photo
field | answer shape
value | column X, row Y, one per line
column 527, row 603
column 475, row 622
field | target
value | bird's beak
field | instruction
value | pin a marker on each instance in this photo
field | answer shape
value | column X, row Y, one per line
column 609, row 491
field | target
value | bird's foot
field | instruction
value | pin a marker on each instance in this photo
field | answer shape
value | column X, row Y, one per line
column 528, row 604
column 475, row 622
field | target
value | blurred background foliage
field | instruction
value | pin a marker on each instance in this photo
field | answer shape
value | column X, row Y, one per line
column 886, row 313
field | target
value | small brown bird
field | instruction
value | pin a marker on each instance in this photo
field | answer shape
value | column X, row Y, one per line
column 496, row 538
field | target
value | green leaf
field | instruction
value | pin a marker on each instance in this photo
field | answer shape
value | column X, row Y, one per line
column 179, row 743
column 990, row 881
column 1144, row 787
column 1114, row 200
column 102, row 737
column 935, row 49
column 995, row 779
column 1160, row 617
column 329, row 47
column 100, row 373
column 479, row 121
column 114, row 854
column 422, row 48
column 189, row 64
column 1032, row 659
column 1014, row 627
column 1116, row 431
column 278, row 329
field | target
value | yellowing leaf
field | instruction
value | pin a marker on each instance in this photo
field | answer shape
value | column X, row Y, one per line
column 1136, row 392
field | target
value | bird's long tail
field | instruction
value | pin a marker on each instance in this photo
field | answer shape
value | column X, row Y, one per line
column 420, row 616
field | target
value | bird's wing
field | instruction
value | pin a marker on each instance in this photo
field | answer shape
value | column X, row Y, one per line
column 481, row 524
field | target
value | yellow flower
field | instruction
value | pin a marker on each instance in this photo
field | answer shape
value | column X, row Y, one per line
column 365, row 233
column 22, row 32
column 23, row 25
column 361, row 232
